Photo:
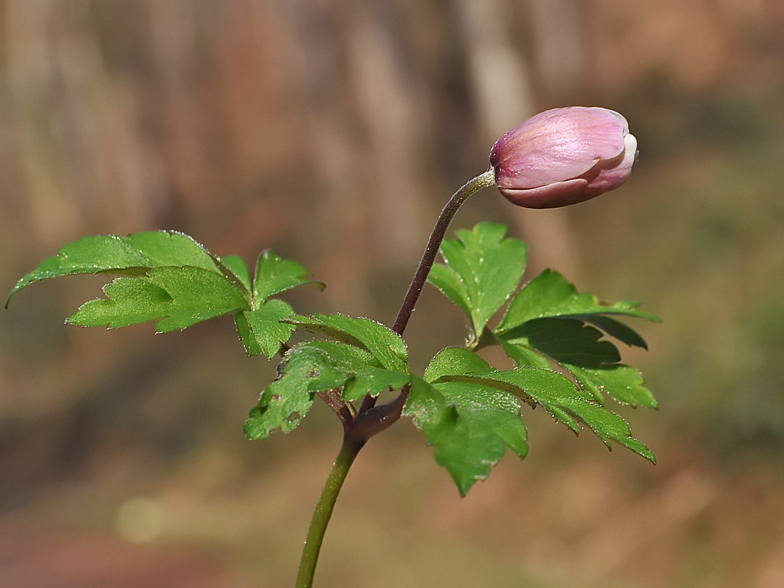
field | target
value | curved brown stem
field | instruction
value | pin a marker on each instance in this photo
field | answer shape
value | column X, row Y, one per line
column 484, row 180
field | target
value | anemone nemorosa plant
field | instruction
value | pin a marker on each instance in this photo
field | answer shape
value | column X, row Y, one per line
column 559, row 340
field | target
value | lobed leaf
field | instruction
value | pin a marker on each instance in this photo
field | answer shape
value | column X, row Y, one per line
column 383, row 343
column 564, row 340
column 471, row 412
column 317, row 366
column 261, row 331
column 562, row 399
column 550, row 295
column 482, row 270
column 285, row 401
column 177, row 297
column 470, row 425
column 622, row 382
column 275, row 275
column 133, row 255
column 174, row 280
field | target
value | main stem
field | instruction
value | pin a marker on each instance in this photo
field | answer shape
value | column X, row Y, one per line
column 358, row 430
column 323, row 512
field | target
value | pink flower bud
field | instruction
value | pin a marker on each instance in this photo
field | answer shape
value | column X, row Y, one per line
column 563, row 156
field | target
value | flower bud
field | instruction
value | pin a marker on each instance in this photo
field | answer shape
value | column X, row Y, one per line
column 563, row 156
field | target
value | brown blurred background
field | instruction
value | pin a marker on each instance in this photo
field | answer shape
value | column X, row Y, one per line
column 333, row 132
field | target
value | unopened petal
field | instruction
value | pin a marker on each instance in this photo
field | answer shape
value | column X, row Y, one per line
column 612, row 177
column 557, row 145
column 550, row 196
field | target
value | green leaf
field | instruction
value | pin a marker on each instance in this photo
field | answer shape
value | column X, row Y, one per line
column 455, row 360
column 567, row 341
column 132, row 255
column 236, row 265
column 550, row 295
column 622, row 382
column 525, row 356
column 275, row 275
column 578, row 348
column 383, row 343
column 285, row 401
column 471, row 427
column 483, row 269
column 177, row 282
column 372, row 381
column 451, row 285
column 261, row 331
column 562, row 399
column 607, row 425
column 177, row 297
column 317, row 366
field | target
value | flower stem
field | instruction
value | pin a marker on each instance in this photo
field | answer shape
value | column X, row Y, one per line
column 323, row 512
column 484, row 180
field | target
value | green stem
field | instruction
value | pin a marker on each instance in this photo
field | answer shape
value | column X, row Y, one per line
column 323, row 512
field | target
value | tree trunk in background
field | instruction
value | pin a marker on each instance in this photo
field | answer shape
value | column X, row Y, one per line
column 502, row 89
column 558, row 48
column 83, row 162
column 388, row 106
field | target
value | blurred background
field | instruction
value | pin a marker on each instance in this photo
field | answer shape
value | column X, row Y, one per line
column 332, row 131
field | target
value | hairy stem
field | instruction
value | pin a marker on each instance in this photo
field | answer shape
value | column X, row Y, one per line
column 323, row 512
column 484, row 180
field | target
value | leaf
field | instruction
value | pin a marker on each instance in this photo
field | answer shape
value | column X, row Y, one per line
column 549, row 295
column 383, row 343
column 316, row 366
column 455, row 360
column 177, row 282
column 482, row 270
column 616, row 329
column 563, row 400
column 451, row 285
column 275, row 275
column 260, row 330
column 622, row 382
column 285, row 401
column 131, row 255
column 471, row 427
column 236, row 265
column 177, row 297
column 372, row 381
column 525, row 356
column 578, row 348
column 607, row 425
column 567, row 341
